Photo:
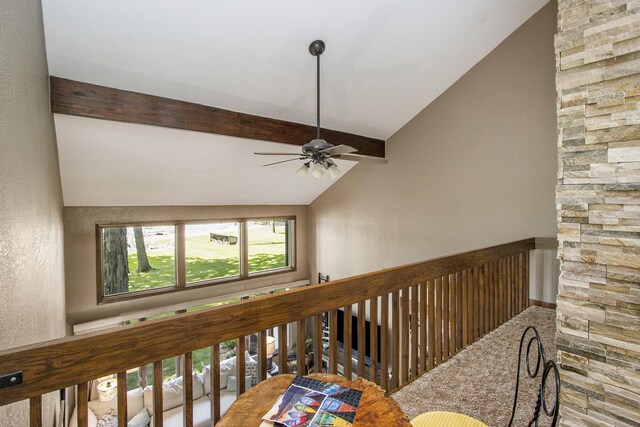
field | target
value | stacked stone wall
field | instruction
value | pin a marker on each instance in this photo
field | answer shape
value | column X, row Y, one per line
column 598, row 200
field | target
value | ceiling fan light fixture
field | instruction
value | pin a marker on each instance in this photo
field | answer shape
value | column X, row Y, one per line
column 318, row 171
column 334, row 171
column 303, row 170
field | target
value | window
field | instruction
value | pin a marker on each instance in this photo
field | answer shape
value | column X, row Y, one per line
column 141, row 259
column 268, row 245
column 138, row 258
column 212, row 251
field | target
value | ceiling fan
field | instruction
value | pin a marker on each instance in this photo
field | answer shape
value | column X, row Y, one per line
column 318, row 153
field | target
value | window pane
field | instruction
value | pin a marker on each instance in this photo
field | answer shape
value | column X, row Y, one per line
column 269, row 244
column 212, row 251
column 138, row 258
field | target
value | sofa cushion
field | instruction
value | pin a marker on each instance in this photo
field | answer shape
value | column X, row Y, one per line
column 228, row 367
column 172, row 393
column 141, row 419
column 135, row 403
column 206, row 379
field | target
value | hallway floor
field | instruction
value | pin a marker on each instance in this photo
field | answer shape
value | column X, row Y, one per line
column 479, row 381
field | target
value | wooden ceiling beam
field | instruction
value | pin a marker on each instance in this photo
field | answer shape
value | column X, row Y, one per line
column 100, row 102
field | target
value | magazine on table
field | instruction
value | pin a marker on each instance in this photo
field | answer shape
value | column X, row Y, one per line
column 312, row 403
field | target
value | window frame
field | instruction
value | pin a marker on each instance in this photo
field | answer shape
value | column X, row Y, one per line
column 180, row 256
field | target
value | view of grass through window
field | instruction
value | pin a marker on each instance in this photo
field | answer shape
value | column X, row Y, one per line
column 267, row 245
column 144, row 257
column 212, row 251
column 138, row 258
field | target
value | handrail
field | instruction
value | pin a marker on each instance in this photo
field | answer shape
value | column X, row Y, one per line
column 65, row 362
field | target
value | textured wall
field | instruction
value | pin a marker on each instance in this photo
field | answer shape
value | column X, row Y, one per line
column 31, row 266
column 598, row 199
column 80, row 254
column 475, row 168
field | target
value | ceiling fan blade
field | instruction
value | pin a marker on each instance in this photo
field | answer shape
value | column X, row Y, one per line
column 339, row 149
column 277, row 154
column 361, row 158
column 283, row 161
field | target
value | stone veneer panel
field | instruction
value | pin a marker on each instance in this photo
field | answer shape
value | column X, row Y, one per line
column 598, row 201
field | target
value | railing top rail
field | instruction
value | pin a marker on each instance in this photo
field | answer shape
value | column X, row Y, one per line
column 56, row 364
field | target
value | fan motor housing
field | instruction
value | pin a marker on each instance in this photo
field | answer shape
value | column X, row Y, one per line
column 315, row 145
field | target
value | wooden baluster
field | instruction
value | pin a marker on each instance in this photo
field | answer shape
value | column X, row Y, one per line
column 465, row 309
column 362, row 338
column 187, row 383
column 262, row 356
column 415, row 333
column 82, row 400
column 122, row 399
column 318, row 348
column 333, row 342
column 513, row 285
column 510, row 288
column 438, row 320
column 445, row 318
column 458, row 318
column 506, row 289
column 485, row 293
column 476, row 287
column 496, row 294
column 384, row 342
column 517, row 285
column 35, row 411
column 431, row 324
column 404, row 336
column 452, row 314
column 490, row 296
column 498, row 310
column 157, row 394
column 301, row 335
column 373, row 340
column 283, row 350
column 395, row 339
column 240, row 365
column 503, row 286
column 481, row 309
column 214, row 378
column 347, row 363
column 423, row 327
column 526, row 277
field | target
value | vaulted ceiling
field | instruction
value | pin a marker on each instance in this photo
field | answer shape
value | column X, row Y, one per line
column 385, row 61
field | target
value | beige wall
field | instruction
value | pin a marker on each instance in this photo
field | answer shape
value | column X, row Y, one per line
column 476, row 168
column 80, row 251
column 31, row 251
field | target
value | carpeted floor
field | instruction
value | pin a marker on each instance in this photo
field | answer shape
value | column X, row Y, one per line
column 480, row 380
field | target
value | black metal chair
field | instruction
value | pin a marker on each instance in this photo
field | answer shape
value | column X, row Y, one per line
column 549, row 367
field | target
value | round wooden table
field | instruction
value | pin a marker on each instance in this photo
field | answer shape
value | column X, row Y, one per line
column 375, row 409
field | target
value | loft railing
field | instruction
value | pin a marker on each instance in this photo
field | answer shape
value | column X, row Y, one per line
column 427, row 312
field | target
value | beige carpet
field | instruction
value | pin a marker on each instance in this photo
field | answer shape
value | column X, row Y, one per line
column 480, row 380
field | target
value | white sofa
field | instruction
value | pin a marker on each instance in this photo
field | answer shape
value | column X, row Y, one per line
column 172, row 398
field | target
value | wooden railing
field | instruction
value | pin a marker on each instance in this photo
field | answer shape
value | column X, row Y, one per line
column 427, row 312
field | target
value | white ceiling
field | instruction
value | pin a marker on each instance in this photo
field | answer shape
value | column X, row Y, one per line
column 385, row 61
column 104, row 163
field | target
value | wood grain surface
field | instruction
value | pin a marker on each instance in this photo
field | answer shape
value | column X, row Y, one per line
column 375, row 410
column 107, row 103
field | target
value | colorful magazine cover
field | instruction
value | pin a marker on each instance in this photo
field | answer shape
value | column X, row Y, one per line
column 312, row 403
